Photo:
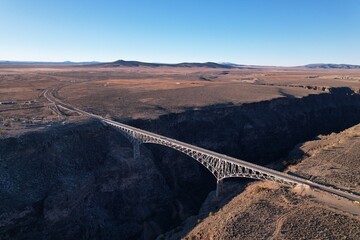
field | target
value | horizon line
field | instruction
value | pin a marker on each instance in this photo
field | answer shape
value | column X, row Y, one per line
column 69, row 62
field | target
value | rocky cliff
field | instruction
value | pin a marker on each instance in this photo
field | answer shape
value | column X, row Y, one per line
column 80, row 182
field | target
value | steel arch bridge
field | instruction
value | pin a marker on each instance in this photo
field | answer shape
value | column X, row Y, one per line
column 221, row 166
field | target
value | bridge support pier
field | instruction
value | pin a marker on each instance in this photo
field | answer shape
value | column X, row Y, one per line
column 218, row 187
column 136, row 149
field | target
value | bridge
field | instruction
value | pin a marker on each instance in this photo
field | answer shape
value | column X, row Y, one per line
column 221, row 166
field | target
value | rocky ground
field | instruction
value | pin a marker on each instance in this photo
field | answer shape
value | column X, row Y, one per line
column 268, row 211
column 331, row 159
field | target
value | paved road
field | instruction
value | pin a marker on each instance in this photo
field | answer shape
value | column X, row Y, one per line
column 48, row 94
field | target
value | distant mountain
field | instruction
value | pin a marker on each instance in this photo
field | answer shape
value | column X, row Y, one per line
column 45, row 63
column 332, row 65
column 207, row 64
column 123, row 63
column 231, row 64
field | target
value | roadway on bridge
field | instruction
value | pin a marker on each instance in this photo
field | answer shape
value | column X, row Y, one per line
column 48, row 94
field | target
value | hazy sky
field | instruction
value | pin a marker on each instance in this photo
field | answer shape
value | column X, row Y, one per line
column 266, row 32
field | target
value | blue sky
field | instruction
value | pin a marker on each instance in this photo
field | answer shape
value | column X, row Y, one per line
column 262, row 32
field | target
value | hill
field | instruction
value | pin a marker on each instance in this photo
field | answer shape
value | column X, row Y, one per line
column 68, row 63
column 123, row 63
column 332, row 65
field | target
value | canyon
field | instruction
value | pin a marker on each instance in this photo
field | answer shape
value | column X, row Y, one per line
column 82, row 176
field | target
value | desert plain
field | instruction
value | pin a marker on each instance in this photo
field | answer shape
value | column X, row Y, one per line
column 152, row 97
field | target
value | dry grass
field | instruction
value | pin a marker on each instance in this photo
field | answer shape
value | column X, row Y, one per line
column 265, row 211
column 151, row 92
column 334, row 159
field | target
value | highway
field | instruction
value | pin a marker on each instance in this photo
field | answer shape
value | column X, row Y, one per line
column 48, row 94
